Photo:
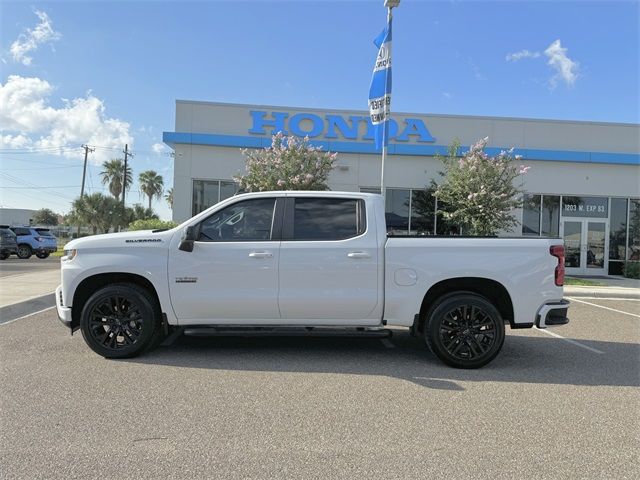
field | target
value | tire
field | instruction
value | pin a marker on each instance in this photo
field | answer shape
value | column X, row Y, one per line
column 104, row 323
column 24, row 251
column 4, row 256
column 42, row 255
column 465, row 330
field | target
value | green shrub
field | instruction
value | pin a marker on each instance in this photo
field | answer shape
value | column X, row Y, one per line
column 632, row 269
column 151, row 224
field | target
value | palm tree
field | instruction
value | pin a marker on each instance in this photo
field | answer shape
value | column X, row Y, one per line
column 169, row 198
column 151, row 184
column 112, row 176
column 97, row 211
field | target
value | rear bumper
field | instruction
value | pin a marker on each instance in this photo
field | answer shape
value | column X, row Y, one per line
column 553, row 314
column 64, row 313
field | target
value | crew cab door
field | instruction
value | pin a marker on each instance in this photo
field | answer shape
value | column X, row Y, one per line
column 231, row 276
column 329, row 262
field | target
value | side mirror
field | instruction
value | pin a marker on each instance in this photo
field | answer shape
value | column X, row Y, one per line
column 188, row 239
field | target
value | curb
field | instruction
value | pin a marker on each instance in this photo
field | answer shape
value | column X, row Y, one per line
column 603, row 293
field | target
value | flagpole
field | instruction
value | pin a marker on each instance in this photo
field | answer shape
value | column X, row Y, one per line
column 389, row 4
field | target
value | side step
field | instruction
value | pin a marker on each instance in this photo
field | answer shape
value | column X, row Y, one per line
column 224, row 331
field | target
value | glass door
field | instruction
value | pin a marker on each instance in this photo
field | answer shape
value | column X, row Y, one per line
column 585, row 242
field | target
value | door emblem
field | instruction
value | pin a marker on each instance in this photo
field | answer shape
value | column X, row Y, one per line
column 186, row 279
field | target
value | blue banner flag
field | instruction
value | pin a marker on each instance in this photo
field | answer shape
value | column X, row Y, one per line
column 380, row 89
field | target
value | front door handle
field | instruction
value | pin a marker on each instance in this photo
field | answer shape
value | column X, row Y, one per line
column 261, row 255
column 358, row 255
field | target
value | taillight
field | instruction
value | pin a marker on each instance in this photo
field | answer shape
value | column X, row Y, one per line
column 39, row 239
column 558, row 252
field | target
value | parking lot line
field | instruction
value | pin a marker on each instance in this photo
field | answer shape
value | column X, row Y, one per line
column 25, row 316
column 602, row 306
column 569, row 340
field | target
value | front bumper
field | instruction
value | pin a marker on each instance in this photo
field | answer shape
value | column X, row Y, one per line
column 64, row 313
column 553, row 314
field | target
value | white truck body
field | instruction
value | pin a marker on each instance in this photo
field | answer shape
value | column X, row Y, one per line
column 366, row 280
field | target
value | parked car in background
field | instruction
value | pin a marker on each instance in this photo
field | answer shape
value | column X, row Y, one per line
column 35, row 240
column 8, row 243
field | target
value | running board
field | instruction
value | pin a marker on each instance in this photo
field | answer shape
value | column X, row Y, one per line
column 222, row 331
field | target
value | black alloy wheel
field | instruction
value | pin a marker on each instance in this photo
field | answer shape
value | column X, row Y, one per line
column 24, row 252
column 42, row 255
column 120, row 321
column 465, row 331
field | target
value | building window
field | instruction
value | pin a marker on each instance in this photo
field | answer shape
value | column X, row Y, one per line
column 617, row 235
column 541, row 215
column 633, row 251
column 531, row 214
column 397, row 205
column 551, row 215
column 414, row 212
column 209, row 192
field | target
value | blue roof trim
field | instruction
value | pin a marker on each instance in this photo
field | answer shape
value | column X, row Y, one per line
column 400, row 148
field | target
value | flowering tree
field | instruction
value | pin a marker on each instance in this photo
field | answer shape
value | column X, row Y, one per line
column 480, row 191
column 290, row 163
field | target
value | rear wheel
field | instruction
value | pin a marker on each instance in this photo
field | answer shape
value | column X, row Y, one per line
column 4, row 256
column 24, row 251
column 465, row 331
column 42, row 254
column 120, row 321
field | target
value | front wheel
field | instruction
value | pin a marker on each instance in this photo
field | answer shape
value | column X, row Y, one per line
column 42, row 254
column 465, row 331
column 120, row 321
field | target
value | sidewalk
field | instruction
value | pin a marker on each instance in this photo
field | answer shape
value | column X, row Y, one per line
column 27, row 286
column 614, row 287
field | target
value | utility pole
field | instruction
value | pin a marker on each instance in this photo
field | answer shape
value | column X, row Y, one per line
column 84, row 175
column 124, row 175
column 84, row 172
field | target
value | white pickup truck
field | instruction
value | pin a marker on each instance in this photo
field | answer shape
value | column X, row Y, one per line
column 311, row 263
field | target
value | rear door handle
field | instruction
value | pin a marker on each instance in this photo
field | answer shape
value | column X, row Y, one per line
column 261, row 255
column 358, row 255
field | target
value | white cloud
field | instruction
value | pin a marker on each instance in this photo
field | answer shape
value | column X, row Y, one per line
column 158, row 147
column 32, row 38
column 514, row 57
column 29, row 121
column 566, row 69
column 446, row 95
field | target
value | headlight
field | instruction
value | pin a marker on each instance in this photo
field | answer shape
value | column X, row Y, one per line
column 69, row 255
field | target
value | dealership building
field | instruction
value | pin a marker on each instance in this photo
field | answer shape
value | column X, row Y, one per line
column 583, row 184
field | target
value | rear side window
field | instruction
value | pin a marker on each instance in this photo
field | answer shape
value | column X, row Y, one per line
column 328, row 218
column 44, row 232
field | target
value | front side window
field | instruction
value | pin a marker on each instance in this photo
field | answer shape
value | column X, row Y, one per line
column 328, row 218
column 250, row 220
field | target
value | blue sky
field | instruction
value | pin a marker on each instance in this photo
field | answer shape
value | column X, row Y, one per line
column 107, row 73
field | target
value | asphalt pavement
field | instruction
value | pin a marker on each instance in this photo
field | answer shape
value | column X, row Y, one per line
column 561, row 403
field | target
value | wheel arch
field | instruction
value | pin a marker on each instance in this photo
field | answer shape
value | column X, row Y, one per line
column 492, row 290
column 92, row 283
